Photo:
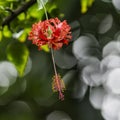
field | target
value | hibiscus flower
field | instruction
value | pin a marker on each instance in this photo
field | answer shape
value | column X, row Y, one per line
column 52, row 32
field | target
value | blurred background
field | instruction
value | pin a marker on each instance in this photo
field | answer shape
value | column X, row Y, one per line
column 89, row 65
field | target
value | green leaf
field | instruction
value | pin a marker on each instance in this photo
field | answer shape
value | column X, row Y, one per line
column 21, row 17
column 0, row 36
column 41, row 3
column 45, row 48
column 90, row 2
column 18, row 54
column 23, row 36
column 35, row 13
column 85, row 4
column 6, row 32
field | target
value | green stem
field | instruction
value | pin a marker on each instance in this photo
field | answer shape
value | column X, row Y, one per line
column 53, row 60
column 44, row 10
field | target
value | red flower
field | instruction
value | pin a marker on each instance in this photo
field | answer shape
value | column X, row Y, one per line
column 52, row 32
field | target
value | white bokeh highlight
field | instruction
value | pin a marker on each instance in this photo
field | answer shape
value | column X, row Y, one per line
column 28, row 66
column 8, row 76
column 92, row 75
column 101, row 71
column 58, row 115
column 83, row 45
column 9, row 70
column 80, row 89
column 116, row 4
column 111, row 48
column 113, row 81
column 110, row 107
column 110, row 62
column 106, row 24
column 96, row 97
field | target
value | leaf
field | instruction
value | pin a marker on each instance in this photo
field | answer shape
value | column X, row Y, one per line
column 0, row 36
column 23, row 36
column 21, row 17
column 90, row 2
column 35, row 13
column 6, row 32
column 45, row 48
column 18, row 54
column 41, row 3
column 85, row 4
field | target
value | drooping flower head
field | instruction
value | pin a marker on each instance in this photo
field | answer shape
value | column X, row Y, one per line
column 55, row 34
column 52, row 32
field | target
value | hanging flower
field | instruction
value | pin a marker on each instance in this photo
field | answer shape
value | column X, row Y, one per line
column 52, row 32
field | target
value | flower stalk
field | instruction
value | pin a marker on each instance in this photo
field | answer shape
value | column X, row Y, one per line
column 57, row 84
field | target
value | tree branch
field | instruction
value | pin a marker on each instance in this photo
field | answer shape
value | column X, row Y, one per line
column 16, row 12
